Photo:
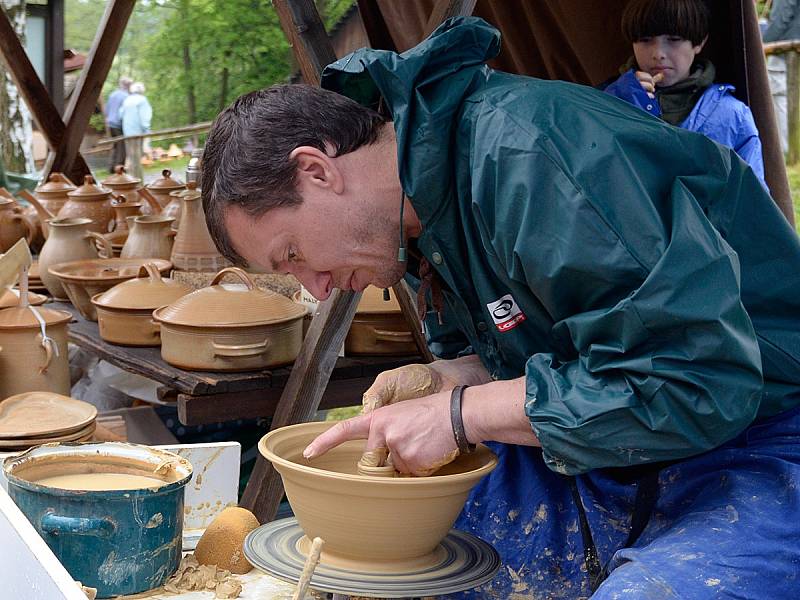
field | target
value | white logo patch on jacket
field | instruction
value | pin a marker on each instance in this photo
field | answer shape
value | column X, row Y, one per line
column 505, row 313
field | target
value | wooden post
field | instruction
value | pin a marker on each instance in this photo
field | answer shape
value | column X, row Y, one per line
column 793, row 105
column 89, row 86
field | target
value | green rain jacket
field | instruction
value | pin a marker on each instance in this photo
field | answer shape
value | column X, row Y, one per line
column 637, row 274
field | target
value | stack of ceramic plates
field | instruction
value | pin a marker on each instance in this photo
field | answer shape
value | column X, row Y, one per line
column 34, row 418
column 34, row 281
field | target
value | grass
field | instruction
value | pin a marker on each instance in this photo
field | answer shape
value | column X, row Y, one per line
column 793, row 171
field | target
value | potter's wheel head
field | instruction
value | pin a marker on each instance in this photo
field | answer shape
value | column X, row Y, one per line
column 460, row 562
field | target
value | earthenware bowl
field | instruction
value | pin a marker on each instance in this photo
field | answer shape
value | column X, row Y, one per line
column 370, row 523
column 83, row 279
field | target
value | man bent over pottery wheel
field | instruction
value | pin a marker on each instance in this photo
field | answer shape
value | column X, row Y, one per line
column 620, row 297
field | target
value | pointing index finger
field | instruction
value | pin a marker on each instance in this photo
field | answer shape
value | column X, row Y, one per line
column 356, row 428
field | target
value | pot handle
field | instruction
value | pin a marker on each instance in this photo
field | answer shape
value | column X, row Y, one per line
column 150, row 200
column 399, row 337
column 240, row 349
column 149, row 270
column 104, row 249
column 47, row 344
column 59, row 525
column 240, row 273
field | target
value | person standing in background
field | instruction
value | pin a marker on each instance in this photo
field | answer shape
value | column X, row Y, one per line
column 135, row 114
column 784, row 24
column 114, row 122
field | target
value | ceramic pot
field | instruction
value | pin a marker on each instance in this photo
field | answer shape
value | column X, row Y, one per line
column 14, row 224
column 123, row 210
column 30, row 361
column 50, row 197
column 230, row 328
column 10, row 298
column 70, row 239
column 120, row 541
column 124, row 185
column 83, row 279
column 194, row 250
column 92, row 202
column 150, row 237
column 125, row 312
column 163, row 188
column 378, row 327
column 173, row 209
column 349, row 511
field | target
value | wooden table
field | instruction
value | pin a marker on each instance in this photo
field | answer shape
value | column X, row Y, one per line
column 210, row 397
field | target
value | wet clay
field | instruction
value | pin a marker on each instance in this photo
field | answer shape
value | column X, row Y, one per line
column 191, row 576
column 403, row 383
column 100, row 481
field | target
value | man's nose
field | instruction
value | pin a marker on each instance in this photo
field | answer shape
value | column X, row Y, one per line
column 319, row 284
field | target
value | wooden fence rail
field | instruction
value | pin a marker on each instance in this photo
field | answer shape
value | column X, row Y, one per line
column 791, row 48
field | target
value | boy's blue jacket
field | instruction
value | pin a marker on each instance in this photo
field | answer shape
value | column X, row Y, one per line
column 718, row 115
column 636, row 274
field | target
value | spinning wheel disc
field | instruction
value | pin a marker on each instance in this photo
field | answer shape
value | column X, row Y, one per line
column 460, row 562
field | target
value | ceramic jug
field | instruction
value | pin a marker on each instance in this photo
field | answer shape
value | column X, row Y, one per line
column 14, row 224
column 90, row 201
column 194, row 250
column 34, row 356
column 162, row 189
column 50, row 197
column 151, row 237
column 125, row 185
column 123, row 210
column 70, row 239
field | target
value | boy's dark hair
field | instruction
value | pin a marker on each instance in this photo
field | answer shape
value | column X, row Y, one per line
column 648, row 18
column 246, row 156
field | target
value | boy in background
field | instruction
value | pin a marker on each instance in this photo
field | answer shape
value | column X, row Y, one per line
column 666, row 77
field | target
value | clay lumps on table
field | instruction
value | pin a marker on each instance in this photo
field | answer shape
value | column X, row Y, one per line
column 223, row 540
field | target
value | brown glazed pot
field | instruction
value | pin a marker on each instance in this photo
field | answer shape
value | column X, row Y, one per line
column 123, row 210
column 370, row 523
column 150, row 237
column 83, row 279
column 123, row 184
column 30, row 362
column 51, row 197
column 70, row 239
column 379, row 327
column 90, row 201
column 230, row 328
column 125, row 312
column 194, row 250
column 15, row 224
column 163, row 187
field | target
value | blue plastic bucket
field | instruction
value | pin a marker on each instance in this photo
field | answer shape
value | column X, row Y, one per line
column 118, row 541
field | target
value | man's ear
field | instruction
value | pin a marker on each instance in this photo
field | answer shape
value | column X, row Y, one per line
column 314, row 167
column 699, row 47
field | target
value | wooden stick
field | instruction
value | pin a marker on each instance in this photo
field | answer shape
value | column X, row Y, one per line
column 308, row 569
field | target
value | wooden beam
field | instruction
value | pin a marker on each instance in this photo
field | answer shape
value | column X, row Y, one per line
column 32, row 89
column 409, row 310
column 444, row 9
column 375, row 25
column 302, row 394
column 303, row 28
column 87, row 90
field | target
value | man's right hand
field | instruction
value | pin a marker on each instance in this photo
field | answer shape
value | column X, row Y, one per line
column 417, row 381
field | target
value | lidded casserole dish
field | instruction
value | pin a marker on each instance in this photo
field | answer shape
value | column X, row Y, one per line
column 227, row 327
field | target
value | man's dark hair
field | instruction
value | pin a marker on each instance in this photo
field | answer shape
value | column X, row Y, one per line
column 648, row 18
column 246, row 156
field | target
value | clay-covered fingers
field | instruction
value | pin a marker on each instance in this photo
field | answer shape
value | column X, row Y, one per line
column 356, row 428
column 403, row 383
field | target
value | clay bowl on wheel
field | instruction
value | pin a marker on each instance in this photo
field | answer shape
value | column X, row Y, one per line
column 370, row 523
column 83, row 279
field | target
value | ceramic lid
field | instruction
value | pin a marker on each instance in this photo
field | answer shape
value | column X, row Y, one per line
column 190, row 193
column 57, row 183
column 89, row 190
column 104, row 269
column 120, row 178
column 32, row 414
column 10, row 298
column 23, row 318
column 372, row 301
column 166, row 182
column 230, row 305
column 147, row 292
